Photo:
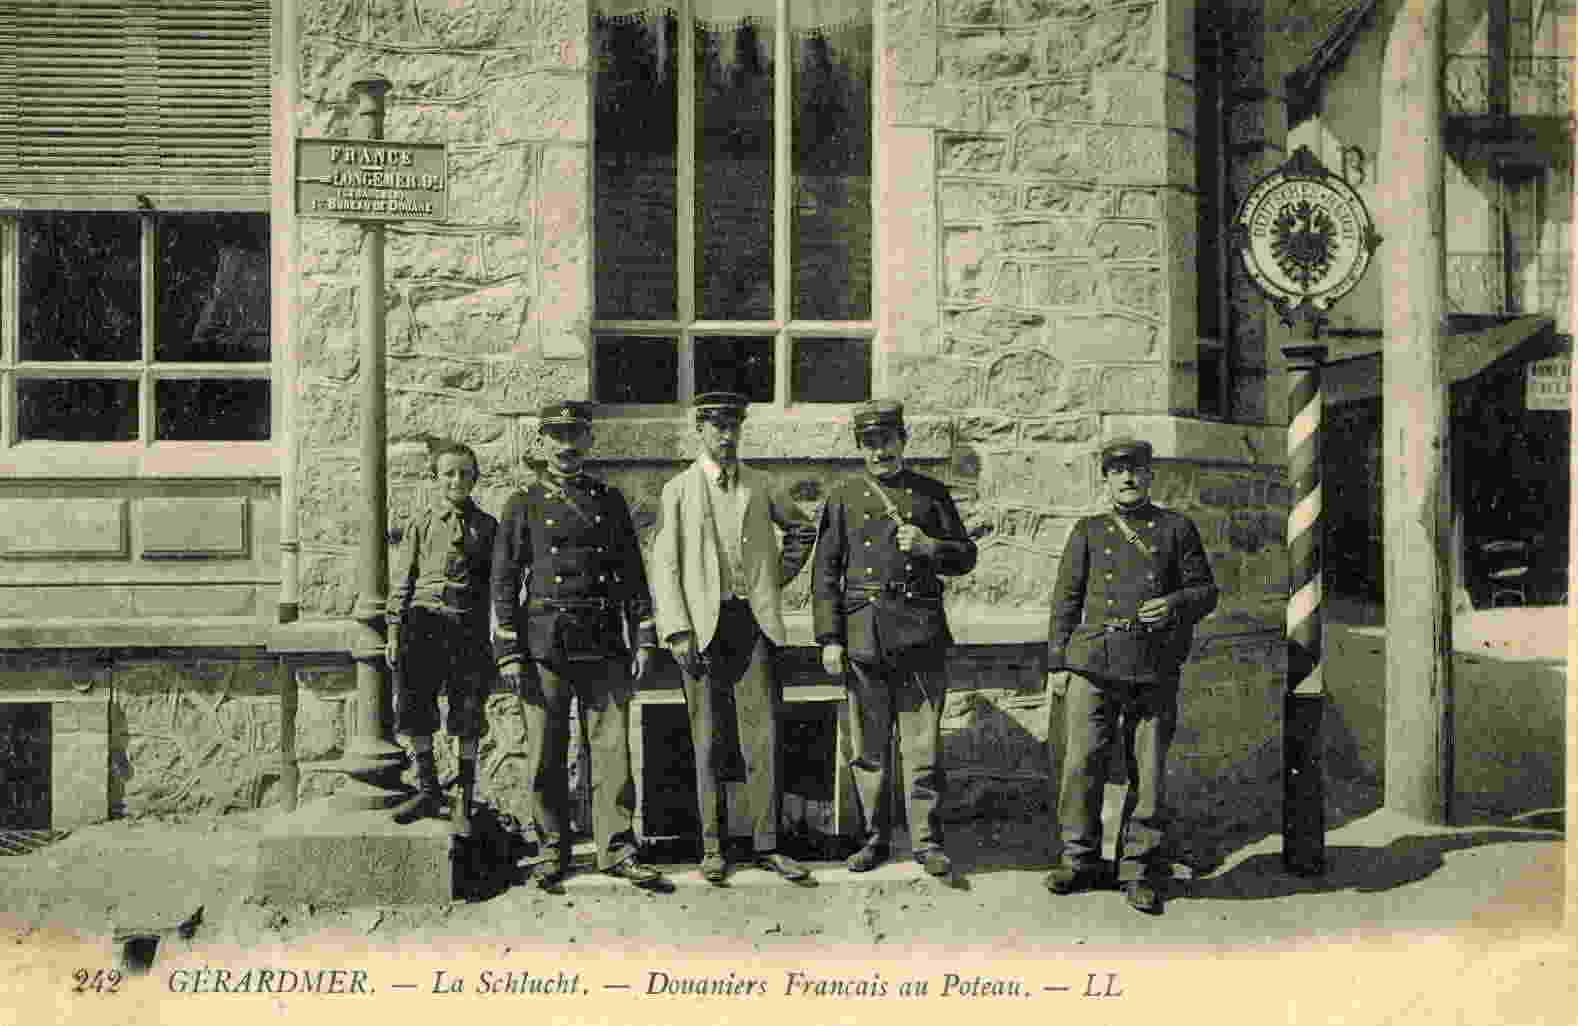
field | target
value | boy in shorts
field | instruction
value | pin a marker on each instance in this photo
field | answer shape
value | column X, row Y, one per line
column 438, row 630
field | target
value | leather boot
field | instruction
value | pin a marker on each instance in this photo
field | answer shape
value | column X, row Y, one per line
column 429, row 796
column 460, row 811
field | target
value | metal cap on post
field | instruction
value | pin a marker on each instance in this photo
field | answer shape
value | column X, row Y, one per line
column 372, row 760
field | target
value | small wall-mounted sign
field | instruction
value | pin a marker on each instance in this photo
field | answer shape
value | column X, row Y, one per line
column 1549, row 384
column 1305, row 237
column 372, row 180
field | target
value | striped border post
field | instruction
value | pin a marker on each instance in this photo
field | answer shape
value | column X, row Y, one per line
column 1303, row 784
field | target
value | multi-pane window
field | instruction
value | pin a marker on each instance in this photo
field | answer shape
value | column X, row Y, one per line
column 127, row 327
column 733, row 200
column 134, row 261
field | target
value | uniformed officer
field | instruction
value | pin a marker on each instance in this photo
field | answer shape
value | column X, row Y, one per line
column 1132, row 584
column 884, row 539
column 568, row 584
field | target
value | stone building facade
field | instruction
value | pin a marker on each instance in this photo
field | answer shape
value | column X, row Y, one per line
column 1037, row 239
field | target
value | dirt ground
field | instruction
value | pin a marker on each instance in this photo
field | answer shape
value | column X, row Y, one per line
column 1409, row 924
column 1385, row 873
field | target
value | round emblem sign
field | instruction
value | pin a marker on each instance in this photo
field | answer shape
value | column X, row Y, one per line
column 1305, row 236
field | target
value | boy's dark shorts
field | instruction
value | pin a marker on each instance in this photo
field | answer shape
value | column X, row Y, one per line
column 442, row 652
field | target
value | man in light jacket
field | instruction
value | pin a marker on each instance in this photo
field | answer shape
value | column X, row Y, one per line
column 718, row 570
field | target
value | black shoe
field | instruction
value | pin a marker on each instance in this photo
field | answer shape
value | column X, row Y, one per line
column 544, row 874
column 934, row 861
column 1143, row 896
column 422, row 805
column 784, row 866
column 868, row 858
column 1074, row 879
column 639, row 873
column 714, row 869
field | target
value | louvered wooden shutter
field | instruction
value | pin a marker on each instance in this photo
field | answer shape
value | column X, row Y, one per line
column 101, row 101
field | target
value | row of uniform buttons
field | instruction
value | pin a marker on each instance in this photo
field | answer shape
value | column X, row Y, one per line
column 1151, row 576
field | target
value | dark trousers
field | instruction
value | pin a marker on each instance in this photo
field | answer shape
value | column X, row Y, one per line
column 738, row 675
column 1095, row 710
column 442, row 653
column 880, row 698
column 603, row 689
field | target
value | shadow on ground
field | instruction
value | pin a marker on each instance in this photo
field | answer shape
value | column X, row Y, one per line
column 1366, row 869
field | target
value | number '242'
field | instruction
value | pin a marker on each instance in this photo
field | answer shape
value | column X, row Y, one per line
column 99, row 981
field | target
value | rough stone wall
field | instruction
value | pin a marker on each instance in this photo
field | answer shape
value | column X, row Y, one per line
column 1048, row 220
column 488, row 310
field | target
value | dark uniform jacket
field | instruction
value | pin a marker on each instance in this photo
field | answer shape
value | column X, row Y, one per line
column 1102, row 581
column 443, row 564
column 572, row 545
column 867, row 595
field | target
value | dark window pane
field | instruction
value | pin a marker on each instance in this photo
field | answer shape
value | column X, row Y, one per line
column 80, row 286
column 832, row 174
column 734, row 171
column 635, row 370
column 213, row 287
column 69, row 410
column 744, row 365
column 220, row 411
column 636, row 188
column 830, row 370
column 1208, row 171
column 1211, row 367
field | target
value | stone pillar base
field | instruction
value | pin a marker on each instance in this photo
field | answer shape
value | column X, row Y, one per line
column 331, row 856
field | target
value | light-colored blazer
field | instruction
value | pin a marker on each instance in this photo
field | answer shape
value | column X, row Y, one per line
column 686, row 574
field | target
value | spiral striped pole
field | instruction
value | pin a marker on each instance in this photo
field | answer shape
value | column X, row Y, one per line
column 1303, row 786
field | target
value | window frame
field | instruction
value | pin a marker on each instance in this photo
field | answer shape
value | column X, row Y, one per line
column 782, row 328
column 144, row 455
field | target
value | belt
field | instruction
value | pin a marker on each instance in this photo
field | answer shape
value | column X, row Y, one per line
column 893, row 589
column 553, row 605
column 1117, row 626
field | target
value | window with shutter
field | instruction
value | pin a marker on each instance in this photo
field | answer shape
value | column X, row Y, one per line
column 103, row 102
column 134, row 235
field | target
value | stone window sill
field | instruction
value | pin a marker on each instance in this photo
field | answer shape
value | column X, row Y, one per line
column 771, row 433
column 1203, row 441
column 81, row 460
column 151, row 632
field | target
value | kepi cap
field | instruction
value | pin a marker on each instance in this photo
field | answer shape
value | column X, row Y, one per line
column 1133, row 450
column 566, row 413
column 714, row 404
column 878, row 413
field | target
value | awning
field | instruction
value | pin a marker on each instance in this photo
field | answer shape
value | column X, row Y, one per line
column 1354, row 370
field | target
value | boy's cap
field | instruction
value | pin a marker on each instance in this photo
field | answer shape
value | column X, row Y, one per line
column 711, row 404
column 566, row 413
column 878, row 413
column 1132, row 450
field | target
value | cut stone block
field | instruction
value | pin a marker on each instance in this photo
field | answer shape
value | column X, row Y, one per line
column 333, row 857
